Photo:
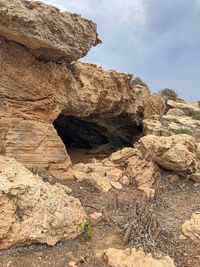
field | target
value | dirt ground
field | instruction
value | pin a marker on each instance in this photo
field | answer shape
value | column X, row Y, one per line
column 156, row 226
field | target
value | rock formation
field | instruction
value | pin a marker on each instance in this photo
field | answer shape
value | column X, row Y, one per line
column 45, row 32
column 134, row 139
column 191, row 228
column 134, row 258
column 36, row 93
column 34, row 211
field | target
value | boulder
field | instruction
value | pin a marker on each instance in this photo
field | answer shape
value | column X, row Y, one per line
column 142, row 172
column 155, row 127
column 191, row 228
column 176, row 152
column 175, row 112
column 155, row 106
column 35, row 144
column 32, row 211
column 189, row 109
column 134, row 258
column 45, row 31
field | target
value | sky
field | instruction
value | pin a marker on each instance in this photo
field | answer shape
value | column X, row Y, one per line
column 159, row 41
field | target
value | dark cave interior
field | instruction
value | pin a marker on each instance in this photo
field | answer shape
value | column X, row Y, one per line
column 92, row 132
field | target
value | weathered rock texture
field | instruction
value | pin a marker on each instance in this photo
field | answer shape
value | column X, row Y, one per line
column 176, row 152
column 34, row 93
column 134, row 258
column 34, row 211
column 48, row 33
column 191, row 228
column 125, row 164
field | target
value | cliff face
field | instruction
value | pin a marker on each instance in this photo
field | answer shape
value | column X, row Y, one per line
column 34, row 93
column 48, row 102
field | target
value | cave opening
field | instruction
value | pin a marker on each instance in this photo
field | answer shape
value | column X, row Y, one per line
column 95, row 136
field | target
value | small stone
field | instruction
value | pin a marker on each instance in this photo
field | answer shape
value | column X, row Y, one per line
column 124, row 180
column 80, row 176
column 72, row 264
column 114, row 174
column 173, row 177
column 95, row 216
column 116, row 185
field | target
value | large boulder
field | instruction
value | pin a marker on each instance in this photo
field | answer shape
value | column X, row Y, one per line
column 134, row 258
column 48, row 33
column 176, row 152
column 33, row 211
column 34, row 143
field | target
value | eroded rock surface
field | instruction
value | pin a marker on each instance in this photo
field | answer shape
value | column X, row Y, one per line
column 47, row 32
column 191, row 227
column 134, row 258
column 34, row 92
column 33, row 211
column 176, row 152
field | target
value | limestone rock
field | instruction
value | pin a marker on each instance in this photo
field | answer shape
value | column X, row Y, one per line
column 155, row 106
column 38, row 92
column 35, row 144
column 134, row 258
column 191, row 228
column 122, row 155
column 155, row 127
column 141, row 171
column 196, row 177
column 175, row 112
column 116, row 185
column 34, row 211
column 188, row 108
column 176, row 152
column 95, row 215
column 183, row 124
column 47, row 32
column 114, row 174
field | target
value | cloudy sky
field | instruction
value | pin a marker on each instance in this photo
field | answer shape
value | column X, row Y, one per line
column 156, row 40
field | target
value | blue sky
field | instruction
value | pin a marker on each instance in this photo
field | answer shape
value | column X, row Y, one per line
column 156, row 40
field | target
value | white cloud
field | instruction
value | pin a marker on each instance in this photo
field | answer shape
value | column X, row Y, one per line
column 112, row 11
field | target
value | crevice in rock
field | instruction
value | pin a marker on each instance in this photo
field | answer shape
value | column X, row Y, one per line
column 41, row 58
column 97, row 135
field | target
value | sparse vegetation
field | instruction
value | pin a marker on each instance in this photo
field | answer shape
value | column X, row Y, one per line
column 196, row 116
column 87, row 231
column 168, row 94
column 109, row 205
column 174, row 120
column 181, row 131
column 138, row 81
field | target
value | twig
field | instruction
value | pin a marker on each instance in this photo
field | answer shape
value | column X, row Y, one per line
column 128, row 234
column 116, row 202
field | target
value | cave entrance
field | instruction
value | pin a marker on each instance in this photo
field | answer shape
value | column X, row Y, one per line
column 95, row 137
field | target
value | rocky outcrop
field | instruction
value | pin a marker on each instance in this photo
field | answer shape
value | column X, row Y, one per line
column 188, row 108
column 33, row 211
column 34, row 143
column 155, row 126
column 45, row 31
column 133, row 257
column 176, row 152
column 34, row 93
column 142, row 172
column 191, row 228
column 120, row 168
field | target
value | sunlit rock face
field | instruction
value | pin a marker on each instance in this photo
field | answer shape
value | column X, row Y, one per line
column 47, row 104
